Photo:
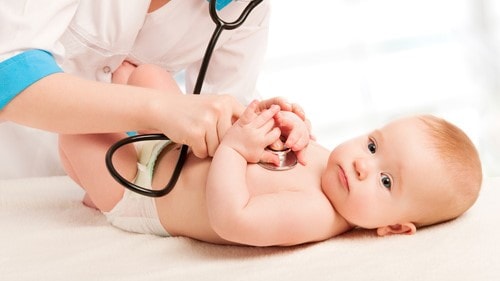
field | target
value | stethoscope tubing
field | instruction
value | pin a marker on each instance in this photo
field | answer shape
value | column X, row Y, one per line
column 137, row 188
column 220, row 25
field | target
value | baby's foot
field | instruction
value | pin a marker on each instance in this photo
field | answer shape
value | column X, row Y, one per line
column 88, row 202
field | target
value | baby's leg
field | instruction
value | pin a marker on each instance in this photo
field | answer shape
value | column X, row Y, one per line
column 152, row 76
column 146, row 75
column 83, row 157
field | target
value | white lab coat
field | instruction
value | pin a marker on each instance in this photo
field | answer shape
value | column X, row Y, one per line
column 91, row 38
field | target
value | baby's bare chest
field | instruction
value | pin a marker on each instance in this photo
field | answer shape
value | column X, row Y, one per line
column 300, row 178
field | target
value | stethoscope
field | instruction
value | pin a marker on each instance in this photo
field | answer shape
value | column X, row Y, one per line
column 287, row 158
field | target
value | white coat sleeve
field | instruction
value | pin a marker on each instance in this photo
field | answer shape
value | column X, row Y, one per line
column 29, row 32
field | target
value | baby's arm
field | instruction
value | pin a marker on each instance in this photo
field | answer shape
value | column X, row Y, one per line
column 267, row 219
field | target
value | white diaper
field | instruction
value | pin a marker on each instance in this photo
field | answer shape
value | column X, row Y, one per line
column 135, row 212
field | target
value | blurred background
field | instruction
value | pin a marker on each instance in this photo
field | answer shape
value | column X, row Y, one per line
column 355, row 64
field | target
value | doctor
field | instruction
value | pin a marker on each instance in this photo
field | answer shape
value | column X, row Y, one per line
column 57, row 59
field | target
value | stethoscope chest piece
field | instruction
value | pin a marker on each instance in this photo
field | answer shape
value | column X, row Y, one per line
column 287, row 157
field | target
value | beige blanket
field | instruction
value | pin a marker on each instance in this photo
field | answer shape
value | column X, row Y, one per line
column 47, row 234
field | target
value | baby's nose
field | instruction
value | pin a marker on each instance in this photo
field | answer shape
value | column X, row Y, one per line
column 361, row 168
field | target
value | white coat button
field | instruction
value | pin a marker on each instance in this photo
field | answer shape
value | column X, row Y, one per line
column 106, row 69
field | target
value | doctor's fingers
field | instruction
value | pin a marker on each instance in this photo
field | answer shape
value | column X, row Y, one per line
column 284, row 105
column 297, row 109
column 249, row 114
column 281, row 102
column 205, row 136
column 218, row 114
column 212, row 140
column 226, row 106
column 266, row 117
column 198, row 146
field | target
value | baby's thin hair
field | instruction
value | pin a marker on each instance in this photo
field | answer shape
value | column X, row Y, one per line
column 462, row 182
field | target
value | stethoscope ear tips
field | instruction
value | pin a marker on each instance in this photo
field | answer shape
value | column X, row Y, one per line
column 287, row 158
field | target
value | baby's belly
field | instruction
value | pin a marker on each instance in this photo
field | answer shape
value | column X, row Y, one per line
column 183, row 211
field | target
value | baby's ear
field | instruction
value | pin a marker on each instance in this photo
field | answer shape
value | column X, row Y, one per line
column 407, row 228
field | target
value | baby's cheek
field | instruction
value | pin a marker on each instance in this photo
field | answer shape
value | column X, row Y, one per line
column 364, row 211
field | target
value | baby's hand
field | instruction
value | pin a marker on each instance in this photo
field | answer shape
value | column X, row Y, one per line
column 296, row 132
column 253, row 132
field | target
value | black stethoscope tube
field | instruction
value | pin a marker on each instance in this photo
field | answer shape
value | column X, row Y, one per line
column 137, row 188
column 220, row 25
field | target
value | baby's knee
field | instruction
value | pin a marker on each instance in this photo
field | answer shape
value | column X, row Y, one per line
column 122, row 73
column 146, row 73
column 153, row 76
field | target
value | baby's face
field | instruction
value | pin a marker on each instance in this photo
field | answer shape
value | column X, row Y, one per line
column 375, row 180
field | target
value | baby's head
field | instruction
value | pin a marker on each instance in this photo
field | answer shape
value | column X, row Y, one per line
column 413, row 172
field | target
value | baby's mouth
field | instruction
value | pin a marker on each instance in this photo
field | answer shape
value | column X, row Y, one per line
column 343, row 178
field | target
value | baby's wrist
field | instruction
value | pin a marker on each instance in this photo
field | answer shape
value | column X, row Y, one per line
column 232, row 148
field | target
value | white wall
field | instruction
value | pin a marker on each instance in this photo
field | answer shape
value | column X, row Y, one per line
column 353, row 64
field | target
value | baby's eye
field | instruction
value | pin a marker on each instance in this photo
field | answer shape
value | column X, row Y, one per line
column 372, row 147
column 386, row 181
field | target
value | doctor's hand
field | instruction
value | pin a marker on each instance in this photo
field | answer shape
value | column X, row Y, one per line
column 284, row 106
column 199, row 121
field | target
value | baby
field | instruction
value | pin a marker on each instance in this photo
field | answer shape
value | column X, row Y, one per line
column 413, row 172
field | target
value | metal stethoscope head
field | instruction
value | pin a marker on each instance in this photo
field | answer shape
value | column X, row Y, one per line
column 220, row 25
column 287, row 158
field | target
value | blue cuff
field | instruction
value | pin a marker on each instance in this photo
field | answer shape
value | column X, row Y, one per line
column 19, row 72
column 220, row 4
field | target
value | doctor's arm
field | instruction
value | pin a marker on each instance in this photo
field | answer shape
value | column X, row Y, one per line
column 64, row 103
